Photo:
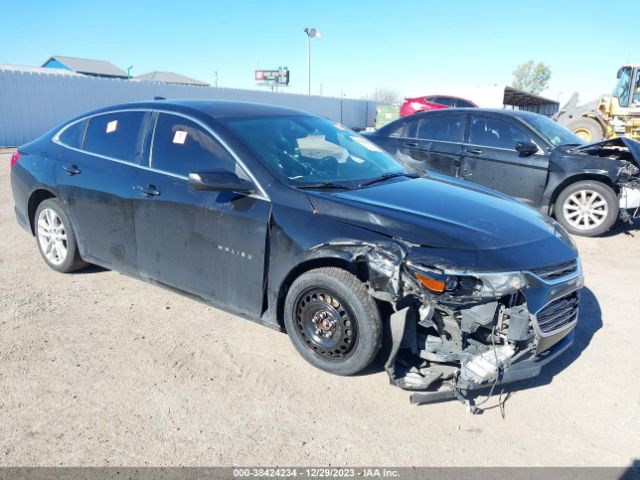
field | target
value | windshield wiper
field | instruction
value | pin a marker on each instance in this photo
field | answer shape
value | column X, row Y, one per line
column 323, row 185
column 387, row 176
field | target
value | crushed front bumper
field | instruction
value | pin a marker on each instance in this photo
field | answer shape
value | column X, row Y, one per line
column 523, row 369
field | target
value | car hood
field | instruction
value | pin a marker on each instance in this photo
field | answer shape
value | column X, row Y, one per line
column 614, row 145
column 439, row 212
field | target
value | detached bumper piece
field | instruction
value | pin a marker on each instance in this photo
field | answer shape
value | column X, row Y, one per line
column 522, row 370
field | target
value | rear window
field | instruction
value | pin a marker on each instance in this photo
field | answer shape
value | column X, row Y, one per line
column 115, row 135
column 74, row 135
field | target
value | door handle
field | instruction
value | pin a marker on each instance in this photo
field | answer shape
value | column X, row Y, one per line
column 148, row 190
column 475, row 151
column 410, row 144
column 71, row 169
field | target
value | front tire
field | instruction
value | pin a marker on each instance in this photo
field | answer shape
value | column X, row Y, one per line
column 332, row 321
column 587, row 208
column 56, row 238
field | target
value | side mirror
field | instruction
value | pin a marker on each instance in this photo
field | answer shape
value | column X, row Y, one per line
column 220, row 181
column 526, row 148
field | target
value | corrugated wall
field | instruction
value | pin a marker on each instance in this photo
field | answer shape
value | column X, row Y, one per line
column 32, row 103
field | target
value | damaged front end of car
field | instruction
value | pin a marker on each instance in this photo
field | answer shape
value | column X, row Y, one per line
column 454, row 332
column 628, row 176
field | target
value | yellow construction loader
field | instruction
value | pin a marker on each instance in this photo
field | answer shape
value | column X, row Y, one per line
column 615, row 115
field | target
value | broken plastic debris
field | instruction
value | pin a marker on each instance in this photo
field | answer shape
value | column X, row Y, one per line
column 484, row 366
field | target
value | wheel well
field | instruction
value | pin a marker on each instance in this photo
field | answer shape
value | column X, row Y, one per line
column 356, row 268
column 575, row 179
column 36, row 199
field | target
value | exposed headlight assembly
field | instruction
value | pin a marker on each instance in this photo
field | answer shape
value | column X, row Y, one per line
column 487, row 285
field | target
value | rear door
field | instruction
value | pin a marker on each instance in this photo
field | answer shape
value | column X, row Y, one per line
column 95, row 174
column 490, row 157
column 432, row 142
column 210, row 244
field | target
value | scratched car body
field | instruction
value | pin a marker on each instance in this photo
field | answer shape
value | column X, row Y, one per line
column 298, row 223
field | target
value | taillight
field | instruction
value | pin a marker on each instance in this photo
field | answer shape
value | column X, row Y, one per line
column 14, row 158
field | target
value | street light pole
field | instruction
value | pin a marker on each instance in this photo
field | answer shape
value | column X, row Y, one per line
column 308, row 64
column 311, row 32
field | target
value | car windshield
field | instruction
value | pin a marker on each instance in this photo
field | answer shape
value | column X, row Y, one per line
column 312, row 151
column 553, row 132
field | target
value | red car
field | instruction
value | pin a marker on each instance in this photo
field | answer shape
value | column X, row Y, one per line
column 432, row 102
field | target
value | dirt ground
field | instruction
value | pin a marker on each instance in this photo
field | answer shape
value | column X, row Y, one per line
column 100, row 369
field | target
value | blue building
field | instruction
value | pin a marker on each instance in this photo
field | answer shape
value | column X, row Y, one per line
column 83, row 66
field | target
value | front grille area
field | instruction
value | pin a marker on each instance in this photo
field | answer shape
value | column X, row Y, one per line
column 558, row 313
column 556, row 271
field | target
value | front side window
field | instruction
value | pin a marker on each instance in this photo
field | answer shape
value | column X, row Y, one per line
column 447, row 128
column 115, row 135
column 181, row 146
column 621, row 89
column 493, row 132
column 303, row 149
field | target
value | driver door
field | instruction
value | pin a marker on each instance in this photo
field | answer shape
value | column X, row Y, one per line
column 210, row 244
column 490, row 158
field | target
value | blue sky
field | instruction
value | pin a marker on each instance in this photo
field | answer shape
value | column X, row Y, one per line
column 414, row 47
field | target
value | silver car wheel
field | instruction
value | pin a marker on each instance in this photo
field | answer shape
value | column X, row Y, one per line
column 52, row 236
column 585, row 209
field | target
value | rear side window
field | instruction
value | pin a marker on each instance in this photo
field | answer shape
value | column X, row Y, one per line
column 181, row 146
column 463, row 103
column 74, row 135
column 493, row 132
column 446, row 128
column 448, row 101
column 115, row 135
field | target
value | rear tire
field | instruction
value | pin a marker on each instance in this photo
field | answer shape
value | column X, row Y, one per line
column 588, row 208
column 586, row 128
column 56, row 238
column 332, row 321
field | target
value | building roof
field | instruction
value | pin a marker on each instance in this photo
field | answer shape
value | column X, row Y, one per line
column 87, row 66
column 170, row 77
column 41, row 70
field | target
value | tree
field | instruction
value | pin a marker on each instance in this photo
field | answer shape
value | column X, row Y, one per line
column 386, row 95
column 531, row 78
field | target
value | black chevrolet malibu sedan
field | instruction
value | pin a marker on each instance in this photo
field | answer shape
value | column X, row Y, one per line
column 296, row 222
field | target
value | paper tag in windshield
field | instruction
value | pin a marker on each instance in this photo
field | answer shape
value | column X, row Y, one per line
column 180, row 137
column 367, row 144
column 112, row 126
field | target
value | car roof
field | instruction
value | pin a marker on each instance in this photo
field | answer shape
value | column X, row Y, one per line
column 212, row 108
column 496, row 111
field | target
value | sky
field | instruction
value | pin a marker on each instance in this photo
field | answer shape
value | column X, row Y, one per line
column 412, row 47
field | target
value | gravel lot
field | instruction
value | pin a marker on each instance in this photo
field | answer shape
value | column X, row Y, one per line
column 100, row 369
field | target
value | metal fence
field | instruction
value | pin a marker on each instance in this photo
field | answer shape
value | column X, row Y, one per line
column 33, row 103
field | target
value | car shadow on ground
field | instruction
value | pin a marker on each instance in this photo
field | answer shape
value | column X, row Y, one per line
column 91, row 269
column 632, row 229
